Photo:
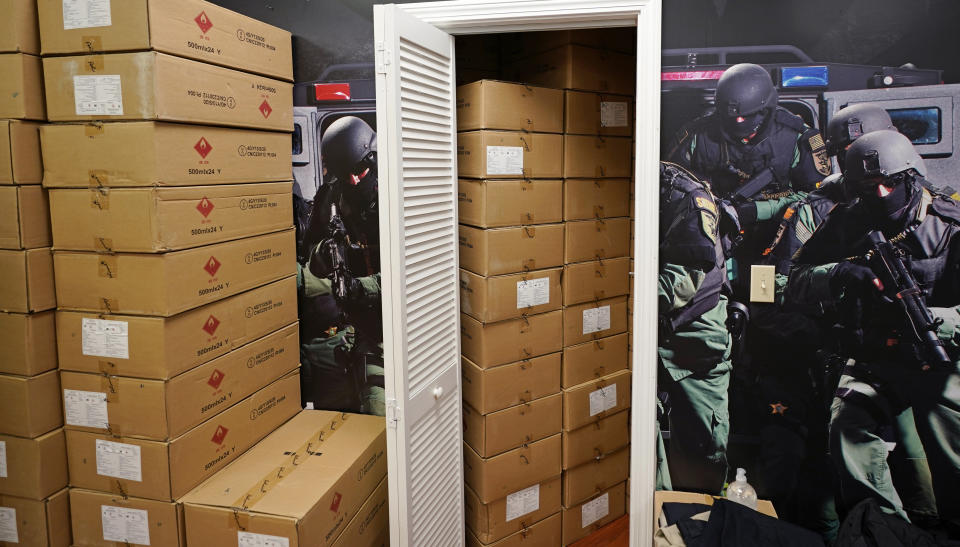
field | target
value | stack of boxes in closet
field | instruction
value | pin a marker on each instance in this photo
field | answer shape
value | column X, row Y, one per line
column 173, row 250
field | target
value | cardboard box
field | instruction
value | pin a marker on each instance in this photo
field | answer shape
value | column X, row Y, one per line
column 153, row 220
column 667, row 496
column 494, row 478
column 591, row 360
column 161, row 154
column 495, row 203
column 306, row 480
column 18, row 28
column 186, row 28
column 598, row 114
column 148, row 522
column 490, row 299
column 24, row 217
column 181, row 280
column 488, row 521
column 167, row 470
column 622, row 39
column 509, row 154
column 490, row 104
column 505, row 386
column 21, row 87
column 492, row 344
column 164, row 409
column 497, row 432
column 371, row 525
column 589, row 199
column 28, row 281
column 596, row 157
column 591, row 239
column 30, row 405
column 20, row 161
column 160, row 348
column 34, row 468
column 578, row 67
column 155, row 86
column 595, row 476
column 546, row 533
column 583, row 519
column 596, row 399
column 38, row 523
column 596, row 280
column 510, row 250
column 594, row 320
column 28, row 342
column 596, row 440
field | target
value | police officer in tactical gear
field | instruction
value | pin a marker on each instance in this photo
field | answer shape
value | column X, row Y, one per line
column 852, row 122
column 892, row 371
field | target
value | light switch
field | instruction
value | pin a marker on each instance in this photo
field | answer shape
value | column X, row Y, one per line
column 763, row 283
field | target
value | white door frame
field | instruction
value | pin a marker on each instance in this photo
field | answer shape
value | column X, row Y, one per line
column 498, row 16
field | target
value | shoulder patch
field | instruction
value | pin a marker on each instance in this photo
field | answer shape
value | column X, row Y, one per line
column 705, row 203
column 708, row 223
column 819, row 151
column 946, row 208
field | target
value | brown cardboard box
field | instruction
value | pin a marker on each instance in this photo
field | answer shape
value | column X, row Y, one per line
column 583, row 519
column 495, row 203
column 30, row 405
column 161, row 154
column 510, row 250
column 497, row 432
column 596, row 280
column 112, row 86
column 504, row 386
column 264, row 492
column 164, row 409
column 33, row 468
column 589, row 199
column 166, row 219
column 18, row 28
column 167, row 470
column 24, row 217
column 591, row 360
column 494, row 478
column 597, row 114
column 490, row 299
column 666, row 496
column 596, row 157
column 585, row 322
column 20, row 152
column 160, row 348
column 21, row 87
column 492, row 344
column 28, row 342
column 595, row 476
column 488, row 521
column 371, row 525
column 186, row 28
column 181, row 280
column 490, row 104
column 622, row 39
column 546, row 533
column 27, row 281
column 578, row 67
column 509, row 154
column 595, row 440
column 591, row 239
column 148, row 522
column 596, row 399
column 39, row 523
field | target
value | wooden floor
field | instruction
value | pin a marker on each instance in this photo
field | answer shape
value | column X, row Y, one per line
column 615, row 534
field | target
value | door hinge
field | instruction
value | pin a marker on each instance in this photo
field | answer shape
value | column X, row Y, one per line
column 382, row 57
column 393, row 413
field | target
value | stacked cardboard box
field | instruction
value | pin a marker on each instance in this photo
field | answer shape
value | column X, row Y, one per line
column 173, row 244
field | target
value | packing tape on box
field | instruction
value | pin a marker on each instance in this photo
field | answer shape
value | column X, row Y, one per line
column 109, row 305
column 111, row 387
column 93, row 63
column 242, row 520
column 97, row 178
column 107, row 267
column 103, row 244
column 100, row 198
column 93, row 129
column 91, row 43
column 106, row 367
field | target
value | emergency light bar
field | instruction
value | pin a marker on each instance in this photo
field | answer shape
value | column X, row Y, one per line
column 332, row 92
column 804, row 76
column 690, row 75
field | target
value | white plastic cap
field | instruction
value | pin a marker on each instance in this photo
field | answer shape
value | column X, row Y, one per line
column 741, row 474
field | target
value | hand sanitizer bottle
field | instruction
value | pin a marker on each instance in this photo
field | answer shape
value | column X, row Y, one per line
column 741, row 492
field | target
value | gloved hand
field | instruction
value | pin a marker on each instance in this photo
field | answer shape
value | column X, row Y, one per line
column 852, row 280
column 320, row 264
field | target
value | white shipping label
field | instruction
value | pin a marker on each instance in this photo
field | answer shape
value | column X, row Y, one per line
column 504, row 160
column 85, row 408
column 613, row 114
column 3, row 459
column 523, row 502
column 98, row 95
column 125, row 525
column 596, row 319
column 119, row 460
column 102, row 338
column 603, row 399
column 8, row 525
column 86, row 14
column 594, row 510
column 249, row 539
column 533, row 292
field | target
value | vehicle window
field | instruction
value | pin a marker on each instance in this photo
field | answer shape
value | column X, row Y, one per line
column 920, row 125
column 297, row 140
column 801, row 109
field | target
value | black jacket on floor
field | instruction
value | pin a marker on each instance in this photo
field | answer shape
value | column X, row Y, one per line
column 734, row 525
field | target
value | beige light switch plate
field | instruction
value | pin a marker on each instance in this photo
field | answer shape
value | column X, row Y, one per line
column 763, row 283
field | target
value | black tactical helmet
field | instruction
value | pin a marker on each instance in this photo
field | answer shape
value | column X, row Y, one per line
column 745, row 98
column 852, row 122
column 348, row 147
column 880, row 154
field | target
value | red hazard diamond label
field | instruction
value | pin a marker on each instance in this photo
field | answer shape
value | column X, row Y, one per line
column 203, row 147
column 215, row 378
column 205, row 206
column 220, row 434
column 212, row 266
column 203, row 22
column 265, row 109
column 336, row 502
column 211, row 325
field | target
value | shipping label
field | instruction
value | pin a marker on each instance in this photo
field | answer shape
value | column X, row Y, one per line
column 8, row 525
column 104, row 338
column 594, row 510
column 533, row 292
column 125, row 525
column 98, row 95
column 523, row 502
column 86, row 14
column 85, row 408
column 119, row 460
column 3, row 459
column 249, row 539
column 603, row 399
column 596, row 319
column 504, row 160
column 613, row 114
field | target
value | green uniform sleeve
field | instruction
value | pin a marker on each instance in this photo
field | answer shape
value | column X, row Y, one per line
column 677, row 286
column 810, row 286
column 312, row 285
column 774, row 208
column 371, row 285
column 949, row 329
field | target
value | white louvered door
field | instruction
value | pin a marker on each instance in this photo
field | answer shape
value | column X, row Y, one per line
column 418, row 221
